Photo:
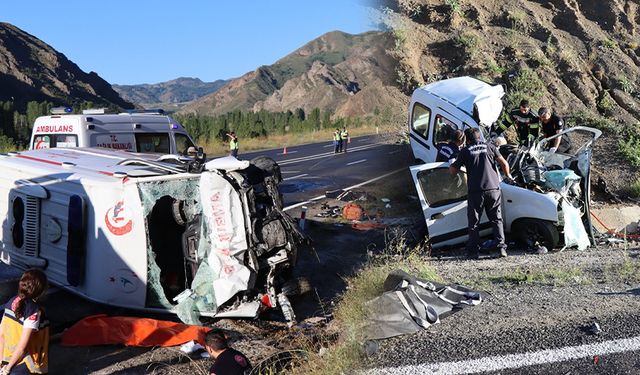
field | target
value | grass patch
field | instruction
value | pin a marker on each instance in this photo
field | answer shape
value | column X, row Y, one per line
column 553, row 276
column 468, row 43
column 345, row 356
column 625, row 84
column 628, row 271
column 608, row 44
column 526, row 84
column 454, row 7
column 634, row 189
column 518, row 21
column 593, row 120
column 630, row 150
column 605, row 104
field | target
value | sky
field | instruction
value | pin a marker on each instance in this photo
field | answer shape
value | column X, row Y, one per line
column 143, row 41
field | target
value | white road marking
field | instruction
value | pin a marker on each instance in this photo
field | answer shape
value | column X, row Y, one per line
column 288, row 152
column 327, row 146
column 345, row 189
column 292, row 177
column 325, row 155
column 394, row 152
column 513, row 361
column 357, row 162
column 290, row 171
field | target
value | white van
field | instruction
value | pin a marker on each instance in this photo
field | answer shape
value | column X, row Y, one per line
column 147, row 132
column 551, row 196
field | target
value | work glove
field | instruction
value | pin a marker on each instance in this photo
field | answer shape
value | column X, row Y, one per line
column 553, row 150
column 509, row 180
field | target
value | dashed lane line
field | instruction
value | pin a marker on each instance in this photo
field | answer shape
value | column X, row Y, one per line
column 357, row 162
column 345, row 189
column 514, row 361
column 292, row 177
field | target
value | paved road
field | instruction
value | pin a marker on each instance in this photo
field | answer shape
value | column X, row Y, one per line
column 311, row 170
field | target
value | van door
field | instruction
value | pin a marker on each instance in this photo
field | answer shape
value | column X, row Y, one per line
column 443, row 197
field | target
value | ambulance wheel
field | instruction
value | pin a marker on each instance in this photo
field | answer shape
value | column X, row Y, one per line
column 529, row 231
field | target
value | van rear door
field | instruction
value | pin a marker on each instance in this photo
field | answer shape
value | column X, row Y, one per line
column 444, row 203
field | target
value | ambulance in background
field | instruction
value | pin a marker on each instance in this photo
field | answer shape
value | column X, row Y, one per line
column 146, row 131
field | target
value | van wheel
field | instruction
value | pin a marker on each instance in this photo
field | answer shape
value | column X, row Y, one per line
column 529, row 231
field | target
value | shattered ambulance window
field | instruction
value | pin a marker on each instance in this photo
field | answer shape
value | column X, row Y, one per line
column 420, row 118
column 441, row 188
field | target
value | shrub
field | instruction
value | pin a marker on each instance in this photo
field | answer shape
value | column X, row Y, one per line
column 468, row 43
column 625, row 84
column 455, row 7
column 634, row 189
column 526, row 84
column 605, row 104
column 608, row 44
column 630, row 149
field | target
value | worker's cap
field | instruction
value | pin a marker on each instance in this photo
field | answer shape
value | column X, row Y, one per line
column 191, row 150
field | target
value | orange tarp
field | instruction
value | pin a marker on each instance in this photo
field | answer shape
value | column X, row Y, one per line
column 103, row 330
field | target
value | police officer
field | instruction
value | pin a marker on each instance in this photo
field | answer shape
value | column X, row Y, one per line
column 553, row 124
column 484, row 188
column 450, row 150
column 526, row 122
column 344, row 135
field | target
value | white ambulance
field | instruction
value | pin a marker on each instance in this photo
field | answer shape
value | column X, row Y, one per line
column 152, row 233
column 148, row 131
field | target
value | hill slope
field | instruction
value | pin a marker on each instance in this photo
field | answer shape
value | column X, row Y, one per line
column 32, row 70
column 577, row 56
column 179, row 90
column 344, row 73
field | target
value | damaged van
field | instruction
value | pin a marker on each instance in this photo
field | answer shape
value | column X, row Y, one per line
column 172, row 234
column 549, row 203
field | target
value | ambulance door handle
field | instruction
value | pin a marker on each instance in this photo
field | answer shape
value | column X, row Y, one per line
column 437, row 215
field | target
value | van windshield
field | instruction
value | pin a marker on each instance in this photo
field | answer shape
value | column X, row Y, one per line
column 153, row 142
column 42, row 141
column 183, row 143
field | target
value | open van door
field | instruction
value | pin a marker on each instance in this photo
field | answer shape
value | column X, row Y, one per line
column 443, row 197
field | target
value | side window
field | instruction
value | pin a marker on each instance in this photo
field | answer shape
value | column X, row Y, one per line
column 443, row 130
column 441, row 188
column 182, row 143
column 420, row 118
column 41, row 141
column 153, row 142
column 66, row 140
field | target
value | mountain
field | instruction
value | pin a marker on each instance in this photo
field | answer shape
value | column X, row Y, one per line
column 172, row 92
column 349, row 75
column 31, row 70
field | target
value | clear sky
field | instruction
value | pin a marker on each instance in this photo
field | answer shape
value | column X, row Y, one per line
column 143, row 41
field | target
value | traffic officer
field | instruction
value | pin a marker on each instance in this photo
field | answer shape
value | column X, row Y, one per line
column 450, row 150
column 337, row 141
column 233, row 144
column 344, row 135
column 526, row 122
column 553, row 124
column 483, row 183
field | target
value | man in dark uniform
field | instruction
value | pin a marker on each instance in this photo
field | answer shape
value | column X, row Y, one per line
column 526, row 122
column 484, row 188
column 450, row 150
column 228, row 361
column 553, row 124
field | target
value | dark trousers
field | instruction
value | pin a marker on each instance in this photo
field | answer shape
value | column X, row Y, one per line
column 340, row 143
column 490, row 201
column 234, row 153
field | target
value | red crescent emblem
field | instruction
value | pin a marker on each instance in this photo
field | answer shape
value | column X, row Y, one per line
column 114, row 223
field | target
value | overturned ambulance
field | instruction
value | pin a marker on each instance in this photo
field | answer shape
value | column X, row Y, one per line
column 548, row 205
column 161, row 234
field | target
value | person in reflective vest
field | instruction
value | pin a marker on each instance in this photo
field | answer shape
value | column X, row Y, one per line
column 527, row 123
column 233, row 144
column 24, row 331
column 337, row 141
column 344, row 136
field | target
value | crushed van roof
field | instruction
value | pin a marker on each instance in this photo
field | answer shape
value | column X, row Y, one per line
column 463, row 92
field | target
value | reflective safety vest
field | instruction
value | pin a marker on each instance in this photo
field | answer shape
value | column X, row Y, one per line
column 336, row 136
column 344, row 134
column 36, row 355
column 233, row 145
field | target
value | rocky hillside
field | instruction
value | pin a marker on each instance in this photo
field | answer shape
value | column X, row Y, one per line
column 177, row 91
column 347, row 74
column 581, row 57
column 31, row 70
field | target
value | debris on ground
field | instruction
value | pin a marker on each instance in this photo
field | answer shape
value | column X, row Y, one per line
column 350, row 196
column 329, row 211
column 602, row 186
column 333, row 194
column 352, row 211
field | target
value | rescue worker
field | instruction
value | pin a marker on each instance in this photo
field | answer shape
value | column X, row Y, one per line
column 344, row 135
column 553, row 124
column 228, row 361
column 337, row 141
column 24, row 331
column 483, row 187
column 450, row 150
column 233, row 144
column 527, row 127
